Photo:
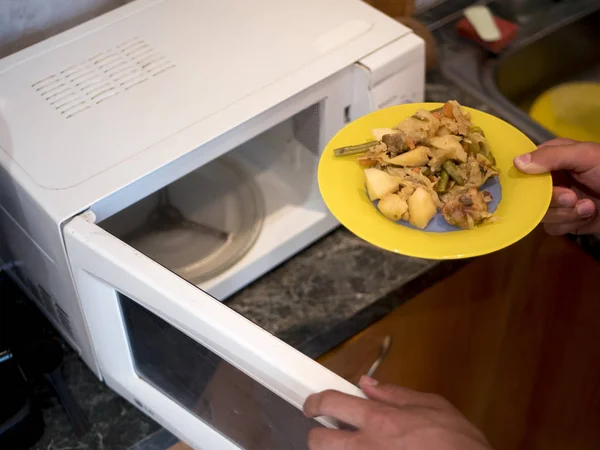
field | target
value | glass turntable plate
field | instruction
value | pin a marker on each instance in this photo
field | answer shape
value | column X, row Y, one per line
column 202, row 224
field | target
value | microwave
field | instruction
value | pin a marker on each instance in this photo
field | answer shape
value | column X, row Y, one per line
column 160, row 157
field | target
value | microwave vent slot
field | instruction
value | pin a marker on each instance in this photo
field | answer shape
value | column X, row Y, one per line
column 102, row 77
column 307, row 128
column 64, row 320
column 46, row 301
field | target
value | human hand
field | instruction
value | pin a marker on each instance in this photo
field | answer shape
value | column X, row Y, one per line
column 576, row 199
column 392, row 418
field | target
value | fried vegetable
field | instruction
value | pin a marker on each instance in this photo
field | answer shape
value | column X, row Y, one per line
column 466, row 208
column 476, row 129
column 421, row 208
column 367, row 162
column 380, row 183
column 452, row 171
column 432, row 160
column 487, row 152
column 447, row 110
column 433, row 123
column 378, row 133
column 393, row 206
column 462, row 117
column 472, row 145
column 413, row 158
column 395, row 141
column 451, row 143
column 446, row 148
column 442, row 184
column 355, row 149
column 418, row 130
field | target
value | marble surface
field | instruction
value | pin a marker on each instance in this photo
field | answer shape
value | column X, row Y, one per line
column 116, row 424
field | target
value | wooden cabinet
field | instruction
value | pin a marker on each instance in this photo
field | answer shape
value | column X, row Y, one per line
column 512, row 339
column 394, row 8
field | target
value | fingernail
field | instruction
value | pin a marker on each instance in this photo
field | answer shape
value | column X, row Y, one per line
column 567, row 200
column 524, row 159
column 585, row 209
column 368, row 381
column 526, row 164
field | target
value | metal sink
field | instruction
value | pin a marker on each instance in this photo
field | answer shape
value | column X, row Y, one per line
column 556, row 43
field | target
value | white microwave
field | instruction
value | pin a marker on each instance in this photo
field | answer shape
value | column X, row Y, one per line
column 155, row 160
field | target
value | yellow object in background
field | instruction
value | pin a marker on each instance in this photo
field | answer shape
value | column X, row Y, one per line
column 570, row 110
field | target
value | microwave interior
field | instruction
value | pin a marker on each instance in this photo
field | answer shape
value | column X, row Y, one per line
column 233, row 208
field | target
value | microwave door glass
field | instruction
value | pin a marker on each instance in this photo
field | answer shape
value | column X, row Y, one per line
column 216, row 392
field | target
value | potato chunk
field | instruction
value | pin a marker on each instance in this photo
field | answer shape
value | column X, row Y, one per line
column 446, row 148
column 421, row 208
column 414, row 158
column 451, row 143
column 393, row 206
column 380, row 183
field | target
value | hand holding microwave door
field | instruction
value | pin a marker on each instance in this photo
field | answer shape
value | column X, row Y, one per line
column 392, row 417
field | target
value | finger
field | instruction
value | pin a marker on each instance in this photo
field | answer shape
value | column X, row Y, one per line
column 327, row 439
column 580, row 227
column 557, row 141
column 347, row 408
column 564, row 228
column 561, row 215
column 584, row 209
column 563, row 198
column 399, row 396
column 578, row 157
column 588, row 227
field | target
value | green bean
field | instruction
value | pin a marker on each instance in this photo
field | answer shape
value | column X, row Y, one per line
column 472, row 146
column 442, row 184
column 476, row 129
column 354, row 149
column 426, row 171
column 452, row 170
column 487, row 152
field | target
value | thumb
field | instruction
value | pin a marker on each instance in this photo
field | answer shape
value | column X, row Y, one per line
column 578, row 157
column 397, row 396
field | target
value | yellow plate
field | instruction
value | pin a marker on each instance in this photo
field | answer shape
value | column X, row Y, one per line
column 525, row 198
column 570, row 110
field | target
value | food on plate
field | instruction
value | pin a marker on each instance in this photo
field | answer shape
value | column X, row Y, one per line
column 421, row 208
column 380, row 183
column 432, row 161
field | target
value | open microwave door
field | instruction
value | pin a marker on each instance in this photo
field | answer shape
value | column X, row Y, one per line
column 201, row 370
